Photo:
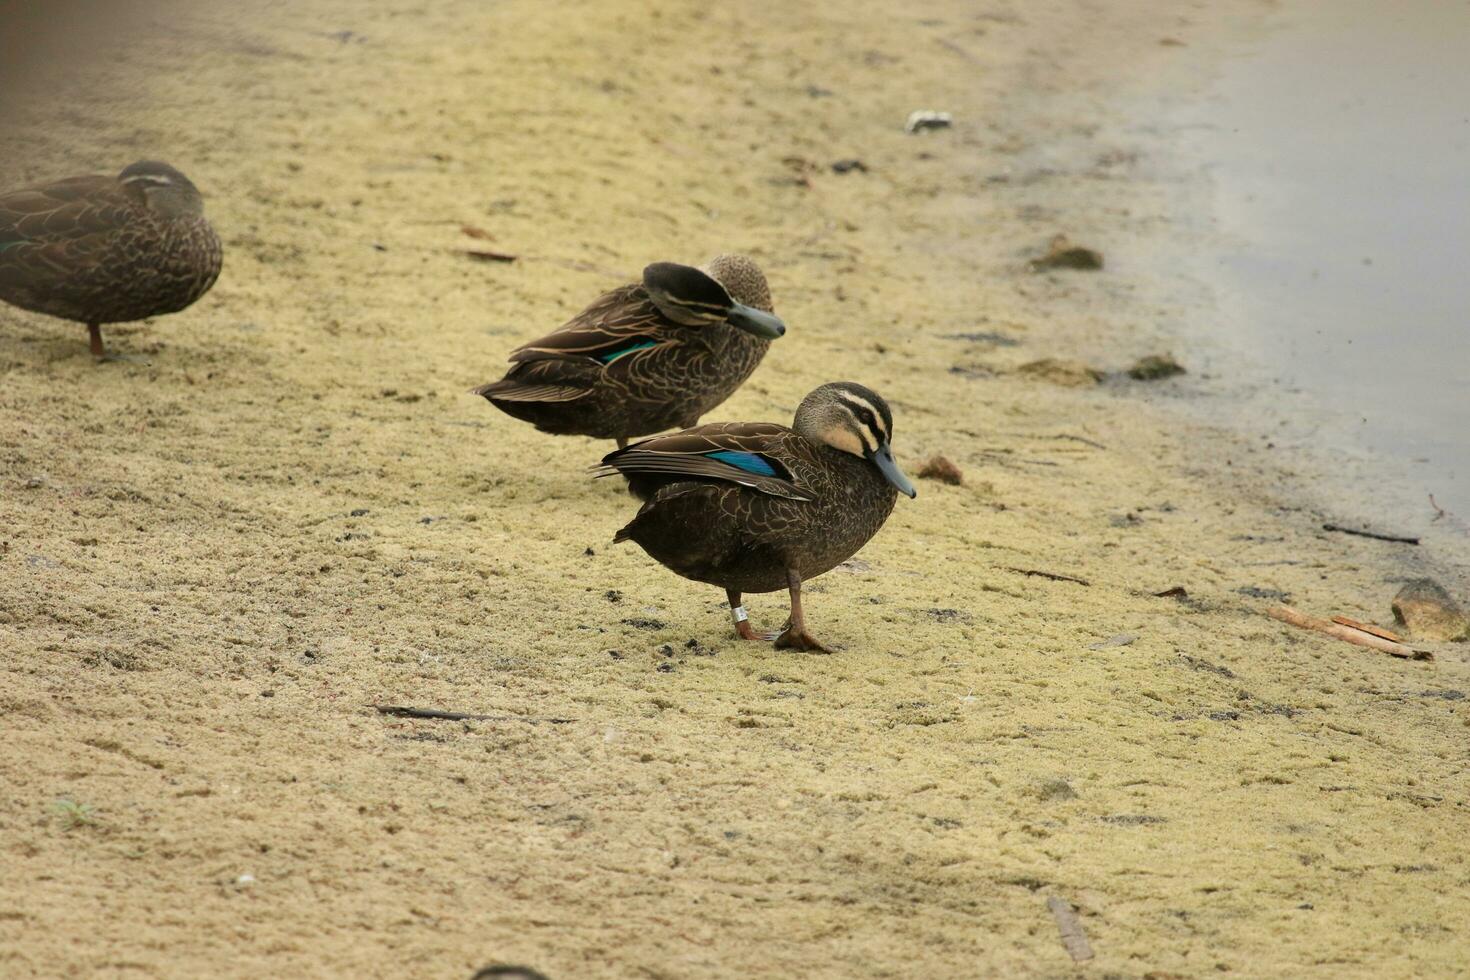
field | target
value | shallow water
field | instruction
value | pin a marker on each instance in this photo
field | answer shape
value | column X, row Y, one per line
column 1339, row 143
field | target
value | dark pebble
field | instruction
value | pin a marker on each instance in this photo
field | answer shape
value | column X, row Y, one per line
column 1155, row 367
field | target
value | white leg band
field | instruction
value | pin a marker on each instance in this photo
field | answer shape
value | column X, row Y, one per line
column 737, row 613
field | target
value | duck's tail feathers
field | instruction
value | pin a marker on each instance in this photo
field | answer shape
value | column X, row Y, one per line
column 515, row 391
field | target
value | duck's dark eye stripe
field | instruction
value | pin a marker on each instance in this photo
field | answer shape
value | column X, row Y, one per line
column 866, row 419
column 876, row 422
column 863, row 423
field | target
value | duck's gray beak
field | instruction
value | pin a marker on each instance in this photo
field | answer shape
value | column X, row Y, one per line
column 758, row 322
column 883, row 459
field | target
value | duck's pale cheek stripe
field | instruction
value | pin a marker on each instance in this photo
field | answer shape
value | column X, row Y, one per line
column 845, row 439
column 707, row 310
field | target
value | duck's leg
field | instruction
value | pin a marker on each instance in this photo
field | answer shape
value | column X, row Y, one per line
column 622, row 443
column 742, row 624
column 796, row 637
column 104, row 356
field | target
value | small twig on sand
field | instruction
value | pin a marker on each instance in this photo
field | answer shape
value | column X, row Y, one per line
column 1051, row 575
column 1082, row 439
column 1286, row 614
column 946, row 42
column 1368, row 628
column 485, row 255
column 1073, row 938
column 580, row 266
column 1052, row 437
column 433, row 714
column 1448, row 516
column 1370, row 534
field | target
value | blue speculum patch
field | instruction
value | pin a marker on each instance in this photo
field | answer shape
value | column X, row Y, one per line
column 749, row 462
column 611, row 356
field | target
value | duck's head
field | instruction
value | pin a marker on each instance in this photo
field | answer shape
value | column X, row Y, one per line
column 165, row 189
column 853, row 419
column 730, row 289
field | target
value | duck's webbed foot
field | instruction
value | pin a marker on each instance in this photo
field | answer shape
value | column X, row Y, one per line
column 742, row 622
column 748, row 632
column 795, row 636
column 799, row 639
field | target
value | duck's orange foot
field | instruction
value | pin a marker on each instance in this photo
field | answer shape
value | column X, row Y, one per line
column 799, row 639
column 748, row 632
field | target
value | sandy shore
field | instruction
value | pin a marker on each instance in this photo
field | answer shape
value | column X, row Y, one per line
column 213, row 564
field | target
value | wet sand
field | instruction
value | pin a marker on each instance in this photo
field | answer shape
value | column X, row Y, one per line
column 212, row 565
column 1336, row 146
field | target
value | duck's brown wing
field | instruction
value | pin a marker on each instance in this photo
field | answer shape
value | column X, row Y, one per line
column 617, row 329
column 49, row 232
column 760, row 455
column 617, row 323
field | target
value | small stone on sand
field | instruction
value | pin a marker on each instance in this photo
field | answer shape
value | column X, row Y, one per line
column 1155, row 367
column 1064, row 255
column 1428, row 611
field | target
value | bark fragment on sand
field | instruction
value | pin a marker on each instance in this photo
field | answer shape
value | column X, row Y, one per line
column 1074, row 939
column 941, row 468
column 1066, row 374
column 1288, row 615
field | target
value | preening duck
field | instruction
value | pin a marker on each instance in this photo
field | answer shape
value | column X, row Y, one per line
column 649, row 356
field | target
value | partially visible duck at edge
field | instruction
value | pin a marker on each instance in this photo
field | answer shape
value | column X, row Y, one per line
column 105, row 249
